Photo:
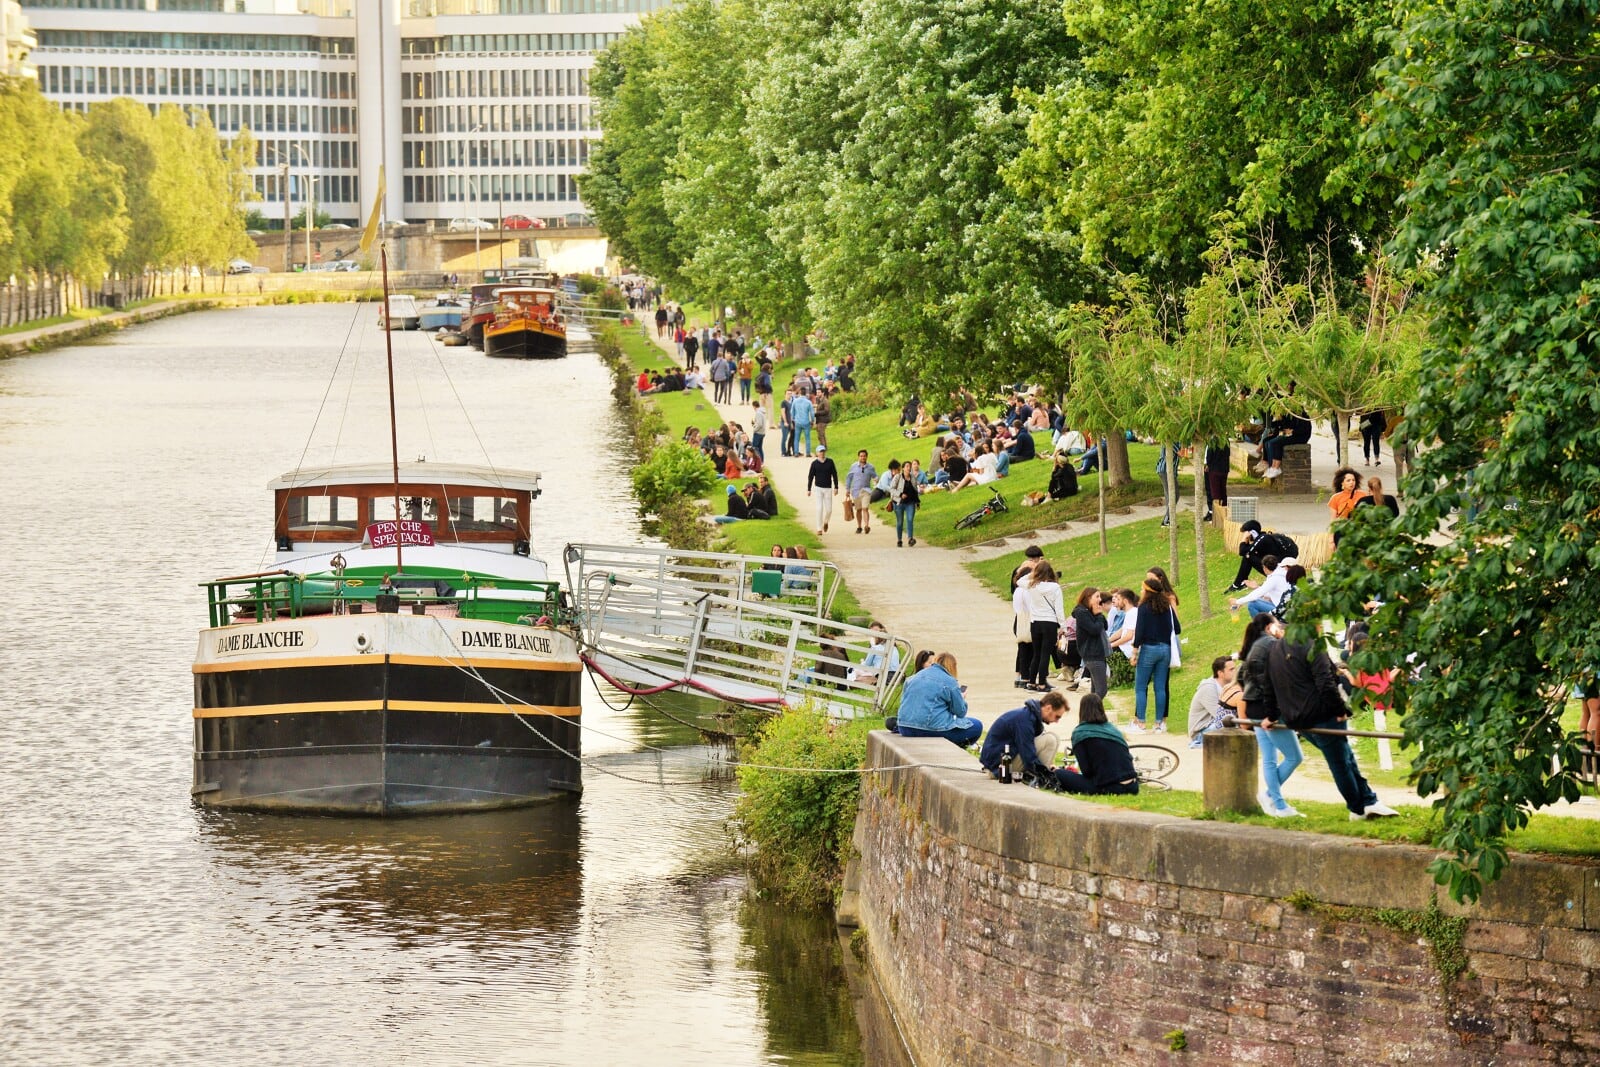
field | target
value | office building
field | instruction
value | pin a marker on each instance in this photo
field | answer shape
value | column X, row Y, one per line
column 474, row 108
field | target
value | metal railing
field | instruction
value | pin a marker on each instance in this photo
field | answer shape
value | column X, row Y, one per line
column 286, row 594
column 805, row 585
column 650, row 633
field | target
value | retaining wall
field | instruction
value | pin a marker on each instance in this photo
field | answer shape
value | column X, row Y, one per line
column 1010, row 926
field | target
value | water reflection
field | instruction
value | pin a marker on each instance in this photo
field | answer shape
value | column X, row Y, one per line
column 463, row 880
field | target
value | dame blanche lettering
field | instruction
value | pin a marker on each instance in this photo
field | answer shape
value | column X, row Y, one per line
column 261, row 640
column 509, row 642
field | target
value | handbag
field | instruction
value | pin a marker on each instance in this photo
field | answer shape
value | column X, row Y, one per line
column 1177, row 656
column 849, row 509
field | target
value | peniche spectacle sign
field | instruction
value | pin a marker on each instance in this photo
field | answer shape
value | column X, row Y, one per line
column 401, row 532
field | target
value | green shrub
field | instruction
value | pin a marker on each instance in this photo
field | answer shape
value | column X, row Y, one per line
column 1119, row 671
column 797, row 826
column 589, row 283
column 864, row 401
column 611, row 299
column 674, row 470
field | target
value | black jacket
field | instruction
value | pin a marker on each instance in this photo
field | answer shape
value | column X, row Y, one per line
column 1063, row 482
column 1305, row 685
column 823, row 474
column 1091, row 634
column 1255, row 686
column 1103, row 762
column 1016, row 728
column 1268, row 544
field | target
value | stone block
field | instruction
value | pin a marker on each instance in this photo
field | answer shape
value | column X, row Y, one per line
column 1229, row 759
column 1531, row 892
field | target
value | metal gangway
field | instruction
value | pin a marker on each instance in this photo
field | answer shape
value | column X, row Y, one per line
column 715, row 633
column 804, row 584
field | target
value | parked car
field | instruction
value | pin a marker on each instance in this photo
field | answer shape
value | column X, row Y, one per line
column 240, row 266
column 345, row 265
column 337, row 226
column 468, row 225
column 517, row 222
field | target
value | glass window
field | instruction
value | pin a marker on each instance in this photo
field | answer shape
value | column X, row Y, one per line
column 307, row 513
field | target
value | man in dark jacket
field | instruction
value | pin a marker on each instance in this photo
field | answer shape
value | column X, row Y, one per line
column 1305, row 688
column 1255, row 545
column 1021, row 732
column 1022, row 443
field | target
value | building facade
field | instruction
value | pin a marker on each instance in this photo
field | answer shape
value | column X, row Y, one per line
column 17, row 40
column 472, row 108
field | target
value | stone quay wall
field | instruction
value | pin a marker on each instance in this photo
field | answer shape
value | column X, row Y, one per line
column 1010, row 926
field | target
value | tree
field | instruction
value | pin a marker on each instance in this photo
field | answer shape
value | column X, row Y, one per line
column 122, row 135
column 624, row 188
column 1184, row 111
column 1103, row 389
column 930, row 269
column 1485, row 109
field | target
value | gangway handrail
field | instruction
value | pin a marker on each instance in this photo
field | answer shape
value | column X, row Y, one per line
column 817, row 584
column 742, row 651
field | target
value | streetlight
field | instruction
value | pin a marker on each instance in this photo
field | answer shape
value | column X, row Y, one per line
column 311, row 204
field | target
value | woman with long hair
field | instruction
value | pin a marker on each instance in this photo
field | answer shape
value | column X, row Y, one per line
column 1279, row 748
column 1090, row 618
column 1152, row 652
column 1104, row 763
column 1376, row 497
column 1046, row 613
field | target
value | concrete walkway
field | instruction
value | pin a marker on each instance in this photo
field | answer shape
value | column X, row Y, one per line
column 926, row 595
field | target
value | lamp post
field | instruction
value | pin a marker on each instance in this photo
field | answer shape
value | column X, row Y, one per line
column 311, row 205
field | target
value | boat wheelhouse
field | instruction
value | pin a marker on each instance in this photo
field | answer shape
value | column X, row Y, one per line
column 407, row 654
column 400, row 312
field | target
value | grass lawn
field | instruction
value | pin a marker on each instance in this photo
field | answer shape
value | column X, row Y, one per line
column 1549, row 834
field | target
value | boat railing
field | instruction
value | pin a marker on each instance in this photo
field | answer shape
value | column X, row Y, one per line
column 649, row 635
column 806, row 585
column 286, row 594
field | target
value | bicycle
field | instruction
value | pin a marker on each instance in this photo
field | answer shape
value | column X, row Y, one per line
column 1152, row 763
column 993, row 506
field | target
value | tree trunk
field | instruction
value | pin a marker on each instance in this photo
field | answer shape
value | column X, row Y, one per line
column 1100, row 460
column 1341, row 420
column 1117, row 445
column 1200, row 576
column 1170, row 491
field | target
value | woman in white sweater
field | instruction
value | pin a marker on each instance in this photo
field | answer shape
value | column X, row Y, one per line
column 1047, row 613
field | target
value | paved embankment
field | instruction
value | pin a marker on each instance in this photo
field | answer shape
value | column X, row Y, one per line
column 66, row 333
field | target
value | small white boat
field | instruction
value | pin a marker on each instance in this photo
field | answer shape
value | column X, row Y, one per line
column 400, row 313
column 445, row 311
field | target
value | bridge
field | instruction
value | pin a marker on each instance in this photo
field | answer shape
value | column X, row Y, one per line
column 431, row 247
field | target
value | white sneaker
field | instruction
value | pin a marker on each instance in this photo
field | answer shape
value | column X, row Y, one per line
column 1265, row 801
column 1356, row 816
column 1137, row 727
column 1379, row 811
column 1285, row 812
column 1273, row 472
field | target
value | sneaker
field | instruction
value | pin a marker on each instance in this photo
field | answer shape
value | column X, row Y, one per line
column 824, row 527
column 1356, row 816
column 1285, row 812
column 1273, row 472
column 1265, row 801
column 1160, row 728
column 899, row 544
column 912, row 542
column 1234, row 588
column 1207, row 518
column 858, row 529
column 1020, row 684
column 1379, row 811
column 1137, row 727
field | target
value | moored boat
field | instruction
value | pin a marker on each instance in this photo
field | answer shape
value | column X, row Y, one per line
column 400, row 312
column 527, row 325
column 407, row 654
column 446, row 312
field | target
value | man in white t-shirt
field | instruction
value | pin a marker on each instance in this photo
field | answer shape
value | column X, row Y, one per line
column 1122, row 639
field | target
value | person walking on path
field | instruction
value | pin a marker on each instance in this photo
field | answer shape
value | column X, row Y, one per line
column 907, row 498
column 824, row 478
column 691, row 348
column 858, row 482
column 661, row 322
column 931, row 705
column 747, row 374
column 802, row 413
column 1152, row 653
column 1046, row 614
column 786, row 424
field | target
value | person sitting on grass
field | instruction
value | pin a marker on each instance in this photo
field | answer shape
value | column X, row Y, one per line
column 1063, row 479
column 1105, row 765
column 931, row 705
column 1020, row 734
column 738, row 508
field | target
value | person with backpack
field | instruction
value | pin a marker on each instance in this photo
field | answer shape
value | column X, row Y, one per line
column 1255, row 545
column 1305, row 688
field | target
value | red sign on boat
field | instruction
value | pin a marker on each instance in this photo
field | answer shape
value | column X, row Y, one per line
column 391, row 533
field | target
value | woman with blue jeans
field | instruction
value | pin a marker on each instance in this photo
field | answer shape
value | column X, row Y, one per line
column 1152, row 652
column 1280, row 748
column 931, row 705
column 903, row 491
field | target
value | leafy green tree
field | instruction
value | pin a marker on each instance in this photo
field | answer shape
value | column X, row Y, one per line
column 713, row 193
column 931, row 269
column 624, row 187
column 122, row 135
column 1486, row 111
column 1184, row 111
column 1103, row 391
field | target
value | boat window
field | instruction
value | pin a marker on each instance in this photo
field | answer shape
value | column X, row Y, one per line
column 483, row 513
column 316, row 512
column 416, row 508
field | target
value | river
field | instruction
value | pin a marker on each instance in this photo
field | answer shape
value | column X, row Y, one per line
column 138, row 928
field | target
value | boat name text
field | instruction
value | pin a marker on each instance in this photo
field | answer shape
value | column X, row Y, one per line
column 232, row 644
column 509, row 642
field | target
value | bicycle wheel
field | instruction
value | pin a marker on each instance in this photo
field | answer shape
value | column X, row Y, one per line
column 966, row 522
column 1153, row 763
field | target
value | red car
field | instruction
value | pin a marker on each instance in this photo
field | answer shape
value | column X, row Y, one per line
column 516, row 222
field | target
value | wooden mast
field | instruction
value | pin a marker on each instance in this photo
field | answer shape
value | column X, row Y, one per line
column 394, row 434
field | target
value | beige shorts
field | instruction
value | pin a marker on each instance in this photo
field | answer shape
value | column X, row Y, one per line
column 863, row 499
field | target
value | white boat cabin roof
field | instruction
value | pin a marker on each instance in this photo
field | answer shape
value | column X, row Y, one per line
column 453, row 474
column 525, row 290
